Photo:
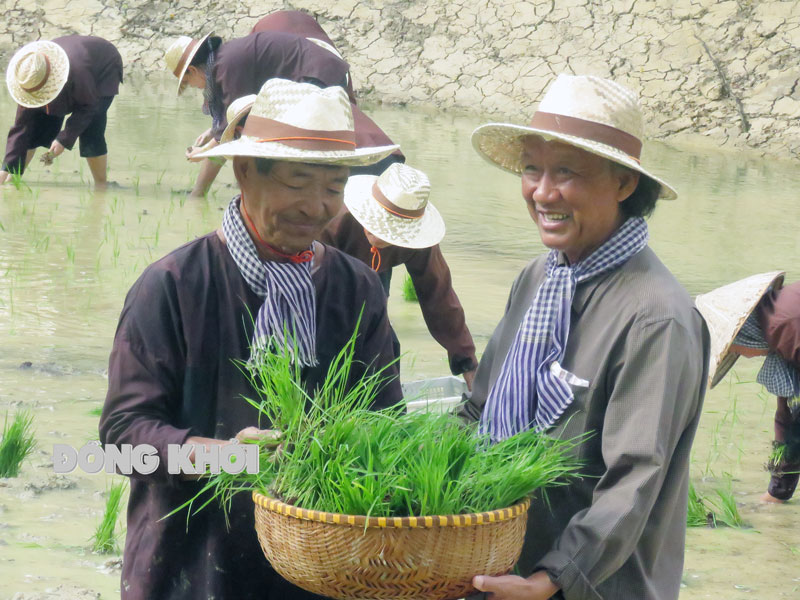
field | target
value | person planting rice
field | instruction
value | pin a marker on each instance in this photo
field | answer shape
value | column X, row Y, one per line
column 75, row 75
column 193, row 317
column 598, row 338
column 388, row 221
column 230, row 70
column 760, row 317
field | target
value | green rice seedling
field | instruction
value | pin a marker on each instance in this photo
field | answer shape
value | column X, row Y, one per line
column 727, row 509
column 698, row 514
column 104, row 540
column 96, row 412
column 339, row 455
column 17, row 443
column 2, row 228
column 16, row 180
column 71, row 252
column 409, row 291
column 135, row 181
column 160, row 176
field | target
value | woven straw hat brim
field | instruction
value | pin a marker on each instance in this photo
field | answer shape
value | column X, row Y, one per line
column 188, row 63
column 228, row 133
column 424, row 232
column 247, row 146
column 725, row 310
column 59, row 73
column 501, row 145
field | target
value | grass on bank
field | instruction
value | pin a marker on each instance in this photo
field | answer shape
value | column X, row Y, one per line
column 17, row 443
column 339, row 456
column 104, row 540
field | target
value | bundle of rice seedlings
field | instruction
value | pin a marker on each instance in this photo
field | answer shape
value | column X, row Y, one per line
column 17, row 443
column 104, row 540
column 409, row 291
column 698, row 514
column 337, row 455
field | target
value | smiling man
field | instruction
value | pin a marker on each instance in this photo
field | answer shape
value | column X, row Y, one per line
column 599, row 340
column 197, row 314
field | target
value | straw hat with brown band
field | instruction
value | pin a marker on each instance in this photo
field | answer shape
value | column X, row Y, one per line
column 725, row 310
column 595, row 114
column 238, row 110
column 301, row 122
column 37, row 73
column 179, row 56
column 394, row 206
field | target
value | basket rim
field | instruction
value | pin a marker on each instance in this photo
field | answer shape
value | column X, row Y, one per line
column 467, row 520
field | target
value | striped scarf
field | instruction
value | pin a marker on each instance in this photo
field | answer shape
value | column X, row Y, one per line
column 778, row 376
column 533, row 390
column 289, row 307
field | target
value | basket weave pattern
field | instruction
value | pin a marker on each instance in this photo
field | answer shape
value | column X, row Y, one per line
column 354, row 557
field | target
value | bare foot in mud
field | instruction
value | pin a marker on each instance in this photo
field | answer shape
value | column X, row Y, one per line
column 769, row 498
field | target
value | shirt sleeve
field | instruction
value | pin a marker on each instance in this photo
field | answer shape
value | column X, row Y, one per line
column 76, row 124
column 653, row 403
column 780, row 319
column 145, row 374
column 441, row 308
column 19, row 141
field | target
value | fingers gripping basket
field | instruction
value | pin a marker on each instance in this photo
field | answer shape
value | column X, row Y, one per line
column 350, row 557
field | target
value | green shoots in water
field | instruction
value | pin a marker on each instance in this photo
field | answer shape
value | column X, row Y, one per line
column 17, row 443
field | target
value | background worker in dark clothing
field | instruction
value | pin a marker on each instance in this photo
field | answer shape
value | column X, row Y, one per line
column 226, row 71
column 74, row 75
column 388, row 221
column 368, row 134
column 759, row 317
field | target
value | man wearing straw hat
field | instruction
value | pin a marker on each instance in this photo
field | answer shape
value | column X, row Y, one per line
column 75, row 75
column 196, row 314
column 229, row 70
column 598, row 340
column 759, row 317
column 387, row 220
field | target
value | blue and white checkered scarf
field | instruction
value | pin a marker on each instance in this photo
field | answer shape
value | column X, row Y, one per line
column 779, row 377
column 533, row 390
column 288, row 292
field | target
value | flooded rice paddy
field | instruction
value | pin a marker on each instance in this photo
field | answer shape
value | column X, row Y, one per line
column 68, row 256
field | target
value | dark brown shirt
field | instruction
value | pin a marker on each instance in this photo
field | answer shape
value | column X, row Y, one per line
column 780, row 319
column 172, row 374
column 95, row 72
column 244, row 64
column 440, row 306
column 368, row 134
column 636, row 338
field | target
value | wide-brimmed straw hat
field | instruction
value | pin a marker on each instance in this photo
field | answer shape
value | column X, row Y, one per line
column 238, row 109
column 394, row 206
column 37, row 73
column 725, row 310
column 594, row 114
column 179, row 56
column 303, row 123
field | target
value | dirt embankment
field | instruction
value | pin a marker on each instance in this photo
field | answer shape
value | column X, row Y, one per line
column 726, row 70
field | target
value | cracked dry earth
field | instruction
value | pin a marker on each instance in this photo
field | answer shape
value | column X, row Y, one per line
column 723, row 71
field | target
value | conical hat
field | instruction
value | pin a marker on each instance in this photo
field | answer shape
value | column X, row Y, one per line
column 725, row 310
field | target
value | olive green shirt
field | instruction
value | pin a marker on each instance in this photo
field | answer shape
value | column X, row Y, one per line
column 635, row 336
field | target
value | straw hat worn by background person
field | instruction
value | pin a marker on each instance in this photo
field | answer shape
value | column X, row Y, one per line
column 591, row 113
column 301, row 122
column 36, row 73
column 237, row 111
column 725, row 310
column 179, row 56
column 395, row 208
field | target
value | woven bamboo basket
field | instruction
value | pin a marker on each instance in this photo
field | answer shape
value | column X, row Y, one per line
column 354, row 557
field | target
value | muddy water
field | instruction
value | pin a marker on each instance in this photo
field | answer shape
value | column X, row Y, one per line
column 69, row 255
